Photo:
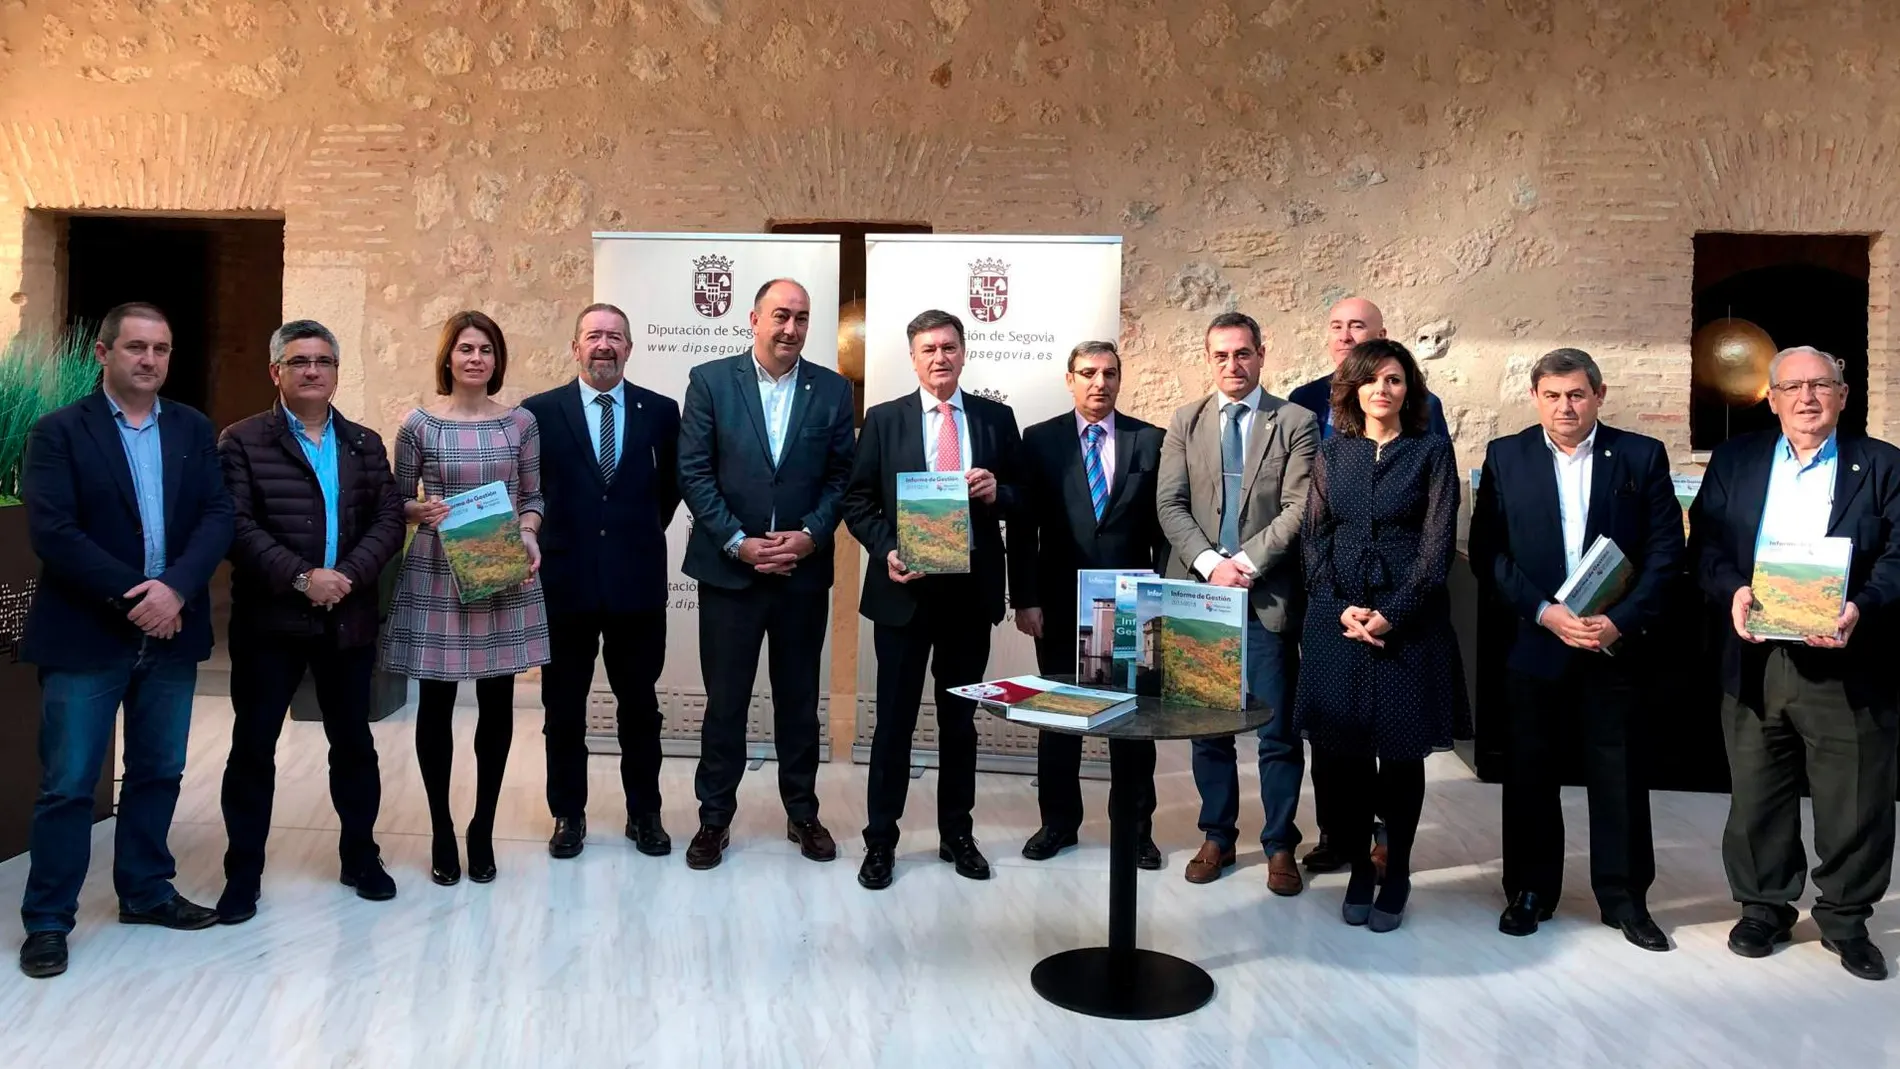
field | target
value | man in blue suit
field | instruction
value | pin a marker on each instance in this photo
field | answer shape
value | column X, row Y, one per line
column 1348, row 323
column 766, row 444
column 610, row 477
column 128, row 513
column 1546, row 495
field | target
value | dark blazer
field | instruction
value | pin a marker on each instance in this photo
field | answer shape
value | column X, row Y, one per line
column 83, row 519
column 1317, row 397
column 1517, row 537
column 603, row 545
column 1054, row 533
column 729, row 482
column 893, row 441
column 280, row 528
column 1725, row 520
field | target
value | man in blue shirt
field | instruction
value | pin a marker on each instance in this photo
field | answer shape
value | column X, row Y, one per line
column 317, row 520
column 129, row 517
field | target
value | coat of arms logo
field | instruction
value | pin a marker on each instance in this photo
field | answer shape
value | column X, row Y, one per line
column 712, row 286
column 989, row 290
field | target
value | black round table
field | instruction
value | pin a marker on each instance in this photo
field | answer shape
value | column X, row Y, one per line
column 1123, row 981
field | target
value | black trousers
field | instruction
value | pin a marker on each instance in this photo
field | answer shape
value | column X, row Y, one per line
column 1596, row 699
column 633, row 644
column 1808, row 725
column 733, row 624
column 1131, row 764
column 265, row 673
column 950, row 636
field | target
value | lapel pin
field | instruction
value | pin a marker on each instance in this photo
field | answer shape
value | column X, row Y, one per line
column 1607, row 453
column 637, row 404
column 1857, row 467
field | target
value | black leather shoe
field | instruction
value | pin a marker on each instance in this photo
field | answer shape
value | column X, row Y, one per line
column 570, row 836
column 1859, row 956
column 875, row 873
column 445, row 862
column 1323, row 858
column 238, row 903
column 481, row 858
column 1753, row 938
column 1047, row 843
column 43, row 954
column 1641, row 932
column 1524, row 913
column 179, row 913
column 970, row 862
column 649, row 836
column 814, row 840
column 708, row 847
column 372, row 882
column 1147, row 854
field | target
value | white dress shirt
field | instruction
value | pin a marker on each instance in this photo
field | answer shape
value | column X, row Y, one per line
column 1209, row 558
column 590, row 416
column 775, row 399
column 931, row 419
column 1574, row 471
column 1800, row 496
column 1082, row 426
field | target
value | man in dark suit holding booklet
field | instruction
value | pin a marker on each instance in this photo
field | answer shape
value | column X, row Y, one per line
column 1819, row 700
column 1573, row 499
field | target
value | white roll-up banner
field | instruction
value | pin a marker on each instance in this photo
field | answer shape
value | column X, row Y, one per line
column 1025, row 301
column 688, row 297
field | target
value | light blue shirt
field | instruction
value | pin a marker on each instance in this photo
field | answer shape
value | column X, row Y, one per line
column 932, row 418
column 145, row 454
column 1800, row 496
column 590, row 416
column 322, row 458
column 775, row 398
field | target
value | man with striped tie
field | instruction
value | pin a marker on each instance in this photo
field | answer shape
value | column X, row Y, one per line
column 935, row 620
column 1086, row 499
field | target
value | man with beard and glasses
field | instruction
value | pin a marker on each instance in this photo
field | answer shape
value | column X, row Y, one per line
column 766, row 444
column 610, row 477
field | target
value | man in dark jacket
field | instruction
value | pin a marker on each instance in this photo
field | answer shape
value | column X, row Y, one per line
column 317, row 520
column 129, row 518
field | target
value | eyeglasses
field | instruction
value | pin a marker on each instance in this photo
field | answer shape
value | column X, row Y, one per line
column 304, row 363
column 1800, row 387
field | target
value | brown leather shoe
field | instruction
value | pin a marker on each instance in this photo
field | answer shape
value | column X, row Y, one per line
column 1206, row 866
column 813, row 840
column 1283, row 876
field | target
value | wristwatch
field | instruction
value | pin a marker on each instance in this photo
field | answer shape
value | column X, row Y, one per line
column 301, row 584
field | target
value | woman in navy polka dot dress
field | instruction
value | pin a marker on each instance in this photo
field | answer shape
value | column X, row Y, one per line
column 1381, row 685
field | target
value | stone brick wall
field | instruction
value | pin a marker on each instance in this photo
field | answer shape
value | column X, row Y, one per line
column 1527, row 172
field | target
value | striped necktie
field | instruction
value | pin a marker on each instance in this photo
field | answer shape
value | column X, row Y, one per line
column 1092, row 464
column 607, row 444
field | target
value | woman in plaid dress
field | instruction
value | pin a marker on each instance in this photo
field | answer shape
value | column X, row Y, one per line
column 464, row 440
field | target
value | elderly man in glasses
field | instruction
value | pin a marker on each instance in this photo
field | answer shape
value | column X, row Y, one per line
column 1823, row 703
column 318, row 518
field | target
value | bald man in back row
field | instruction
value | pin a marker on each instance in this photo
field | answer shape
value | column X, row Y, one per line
column 1348, row 323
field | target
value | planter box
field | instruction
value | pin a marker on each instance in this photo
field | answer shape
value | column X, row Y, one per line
column 20, row 712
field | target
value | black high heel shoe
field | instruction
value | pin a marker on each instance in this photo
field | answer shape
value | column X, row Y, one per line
column 1356, row 910
column 481, row 856
column 445, row 865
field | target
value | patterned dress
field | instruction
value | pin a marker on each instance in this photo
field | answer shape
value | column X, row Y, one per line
column 1379, row 532
column 430, row 634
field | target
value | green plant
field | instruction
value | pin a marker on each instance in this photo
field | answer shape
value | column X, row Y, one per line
column 39, row 372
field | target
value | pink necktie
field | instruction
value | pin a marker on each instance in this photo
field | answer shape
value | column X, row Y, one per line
column 949, row 450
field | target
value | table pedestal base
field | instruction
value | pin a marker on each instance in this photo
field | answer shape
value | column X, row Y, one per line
column 1126, row 985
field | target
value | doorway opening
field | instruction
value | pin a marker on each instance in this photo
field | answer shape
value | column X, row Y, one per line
column 1801, row 289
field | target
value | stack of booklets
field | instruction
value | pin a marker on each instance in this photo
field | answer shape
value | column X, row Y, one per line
column 1105, row 625
column 1800, row 588
column 1179, row 641
column 1044, row 703
column 933, row 522
column 481, row 537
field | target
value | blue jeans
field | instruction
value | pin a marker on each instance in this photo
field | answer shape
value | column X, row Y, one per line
column 77, row 714
column 1272, row 666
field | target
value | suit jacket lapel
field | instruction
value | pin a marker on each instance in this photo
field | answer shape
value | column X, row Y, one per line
column 1603, row 468
column 1124, row 456
column 1750, row 496
column 801, row 402
column 1075, row 481
column 910, row 435
column 104, row 428
column 171, row 439
column 572, row 419
column 1849, row 473
column 1206, row 442
column 748, row 377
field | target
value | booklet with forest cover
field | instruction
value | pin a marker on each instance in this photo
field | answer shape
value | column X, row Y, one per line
column 933, row 522
column 1799, row 588
column 481, row 537
column 1046, row 703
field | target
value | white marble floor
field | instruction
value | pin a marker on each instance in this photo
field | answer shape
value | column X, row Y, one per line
column 770, row 960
